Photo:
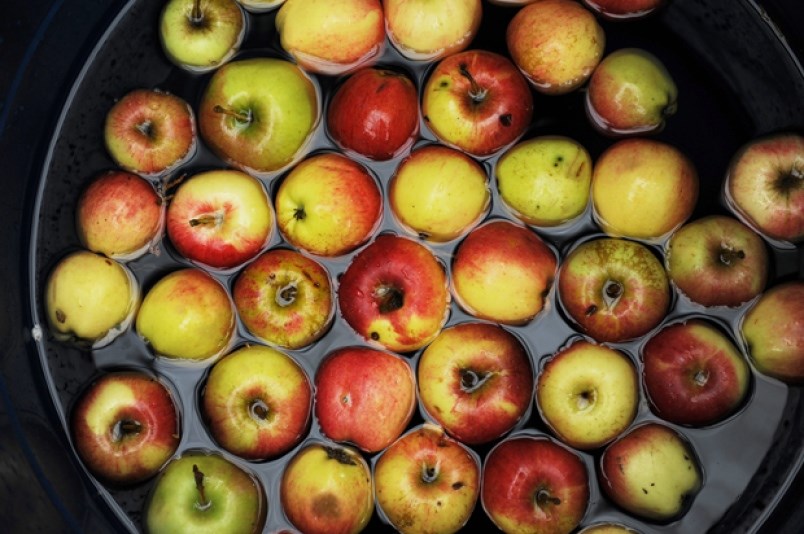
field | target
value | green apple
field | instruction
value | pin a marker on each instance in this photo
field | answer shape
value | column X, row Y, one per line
column 260, row 6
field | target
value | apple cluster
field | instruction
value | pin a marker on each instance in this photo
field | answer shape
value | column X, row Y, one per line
column 396, row 297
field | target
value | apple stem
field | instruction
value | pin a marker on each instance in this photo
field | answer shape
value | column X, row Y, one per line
column 429, row 473
column 477, row 93
column 287, row 294
column 472, row 381
column 203, row 503
column 728, row 256
column 259, row 409
column 543, row 498
column 196, row 16
column 215, row 218
column 238, row 115
column 125, row 428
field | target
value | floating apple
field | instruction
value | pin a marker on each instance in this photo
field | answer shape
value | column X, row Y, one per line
column 125, row 427
column 477, row 101
column 427, row 482
column 624, row 9
column 364, row 396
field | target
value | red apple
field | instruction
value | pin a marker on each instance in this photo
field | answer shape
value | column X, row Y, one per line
column 364, row 396
column 624, row 9
column 375, row 113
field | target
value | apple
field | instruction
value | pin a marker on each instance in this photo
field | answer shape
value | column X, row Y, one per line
column 475, row 380
column 532, row 484
column 477, row 101
column 717, row 261
column 204, row 492
column 150, row 132
column 545, row 180
column 624, row 9
column 260, row 6
column 773, row 332
column 187, row 315
column 327, row 489
column 659, row 183
column 588, row 394
column 503, row 272
column 364, row 396
column 220, row 218
column 556, row 44
column 90, row 299
column 284, row 298
column 201, row 36
column 332, row 38
column 259, row 114
column 328, row 205
column 425, row 31
column 630, row 92
column 693, row 373
column 427, row 482
column 394, row 294
column 125, row 427
column 651, row 472
column 614, row 289
column 374, row 112
column 607, row 528
column 119, row 215
column 257, row 402
column 438, row 193
column 764, row 186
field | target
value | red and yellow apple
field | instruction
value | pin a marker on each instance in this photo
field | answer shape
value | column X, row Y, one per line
column 624, row 9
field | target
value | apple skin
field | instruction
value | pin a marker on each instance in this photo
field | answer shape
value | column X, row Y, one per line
column 234, row 500
column 206, row 44
column 327, row 489
column 257, row 402
column 394, row 293
column 630, row 93
column 477, row 101
column 607, row 528
column 426, row 31
column 328, row 205
column 773, row 332
column 426, row 482
column 258, row 114
column 693, row 374
column 545, row 180
column 260, row 6
column 220, row 218
column 624, row 10
column 657, row 180
column 613, row 289
column 284, row 298
column 717, row 261
column 187, row 315
column 556, row 44
column 502, row 272
column 439, row 193
column 651, row 472
column 588, row 394
column 332, row 38
column 364, row 396
column 375, row 113
column 764, row 186
column 533, row 484
column 475, row 379
column 125, row 427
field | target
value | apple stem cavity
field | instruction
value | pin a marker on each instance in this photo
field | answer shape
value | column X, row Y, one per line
column 146, row 128
column 125, row 427
column 612, row 291
column 203, row 503
column 701, row 377
column 729, row 256
column 258, row 410
column 472, row 381
column 239, row 116
column 430, row 473
column 287, row 294
column 389, row 298
column 196, row 15
column 544, row 498
column 476, row 93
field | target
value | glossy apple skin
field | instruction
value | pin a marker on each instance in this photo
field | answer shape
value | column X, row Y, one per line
column 426, row 482
column 765, row 186
column 150, row 132
column 220, row 218
column 235, row 499
column 693, row 374
column 109, row 451
column 652, row 472
column 717, row 261
column 614, row 289
column 475, row 379
column 532, row 484
column 257, row 402
column 119, row 215
column 284, row 298
column 328, row 205
column 327, row 489
column 478, row 118
column 624, row 9
column 375, row 113
column 502, row 272
column 364, row 396
column 187, row 315
column 394, row 294
column 556, row 44
column 588, row 394
column 773, row 331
